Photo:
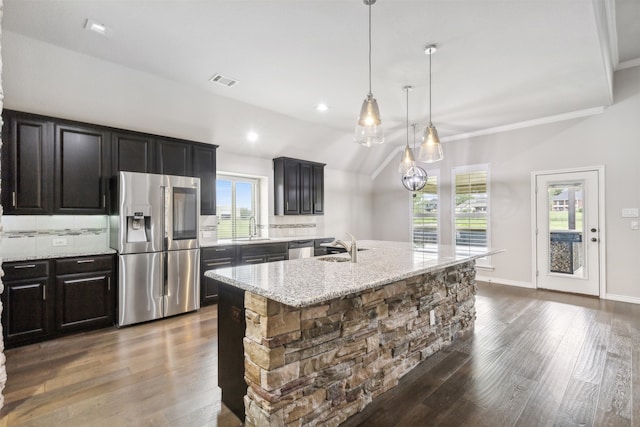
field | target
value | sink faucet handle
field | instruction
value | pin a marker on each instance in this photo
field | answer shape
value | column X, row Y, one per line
column 353, row 238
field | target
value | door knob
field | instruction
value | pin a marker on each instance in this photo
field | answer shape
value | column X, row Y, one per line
column 593, row 239
column 593, row 230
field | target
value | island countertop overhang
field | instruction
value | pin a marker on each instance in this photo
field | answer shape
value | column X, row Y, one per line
column 309, row 281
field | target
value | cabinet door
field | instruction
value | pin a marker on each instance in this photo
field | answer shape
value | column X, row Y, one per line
column 306, row 182
column 204, row 167
column 27, row 159
column 173, row 158
column 132, row 153
column 291, row 187
column 81, row 170
column 27, row 310
column 84, row 300
column 318, row 189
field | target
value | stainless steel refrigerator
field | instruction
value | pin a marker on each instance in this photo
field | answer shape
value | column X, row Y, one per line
column 155, row 232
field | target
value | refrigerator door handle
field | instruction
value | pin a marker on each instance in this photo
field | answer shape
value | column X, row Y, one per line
column 165, row 217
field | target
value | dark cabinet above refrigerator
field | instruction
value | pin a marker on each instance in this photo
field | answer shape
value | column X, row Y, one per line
column 58, row 166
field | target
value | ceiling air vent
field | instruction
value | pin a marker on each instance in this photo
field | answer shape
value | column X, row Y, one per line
column 222, row 80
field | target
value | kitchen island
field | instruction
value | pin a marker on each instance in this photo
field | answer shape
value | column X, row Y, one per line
column 313, row 341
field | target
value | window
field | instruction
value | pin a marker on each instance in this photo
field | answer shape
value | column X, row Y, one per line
column 471, row 208
column 425, row 215
column 237, row 202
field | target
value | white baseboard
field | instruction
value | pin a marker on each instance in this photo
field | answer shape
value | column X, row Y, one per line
column 622, row 298
column 505, row 282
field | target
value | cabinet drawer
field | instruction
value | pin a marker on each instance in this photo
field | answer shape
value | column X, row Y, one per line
column 264, row 249
column 218, row 252
column 83, row 264
column 25, row 270
column 212, row 264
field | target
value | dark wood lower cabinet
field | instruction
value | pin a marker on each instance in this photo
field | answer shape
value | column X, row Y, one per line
column 83, row 301
column 48, row 298
column 231, row 330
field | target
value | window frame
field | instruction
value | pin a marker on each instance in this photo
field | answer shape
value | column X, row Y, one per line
column 434, row 173
column 255, row 200
column 458, row 170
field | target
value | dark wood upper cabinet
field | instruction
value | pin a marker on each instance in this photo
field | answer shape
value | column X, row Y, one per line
column 298, row 187
column 81, row 170
column 173, row 157
column 27, row 162
column 204, row 167
column 57, row 166
column 306, row 189
column 318, row 189
column 132, row 152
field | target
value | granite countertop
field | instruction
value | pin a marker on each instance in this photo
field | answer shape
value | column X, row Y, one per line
column 308, row 281
column 258, row 240
column 8, row 257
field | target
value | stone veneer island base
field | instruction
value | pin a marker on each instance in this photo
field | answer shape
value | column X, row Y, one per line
column 339, row 336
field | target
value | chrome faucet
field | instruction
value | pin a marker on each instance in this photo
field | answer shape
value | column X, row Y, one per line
column 253, row 227
column 351, row 249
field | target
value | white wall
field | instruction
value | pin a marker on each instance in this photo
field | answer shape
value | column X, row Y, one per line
column 45, row 79
column 611, row 138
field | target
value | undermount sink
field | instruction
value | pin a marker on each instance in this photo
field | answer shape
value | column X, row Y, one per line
column 333, row 259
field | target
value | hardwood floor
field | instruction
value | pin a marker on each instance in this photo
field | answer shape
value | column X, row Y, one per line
column 535, row 358
column 157, row 374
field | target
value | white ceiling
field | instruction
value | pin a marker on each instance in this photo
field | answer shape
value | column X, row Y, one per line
column 499, row 62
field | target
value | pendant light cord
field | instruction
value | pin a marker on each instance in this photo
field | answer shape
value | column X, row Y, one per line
column 414, row 136
column 430, row 88
column 407, row 89
column 370, row 49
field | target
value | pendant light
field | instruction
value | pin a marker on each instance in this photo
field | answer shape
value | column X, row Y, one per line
column 431, row 149
column 368, row 130
column 415, row 178
column 407, row 161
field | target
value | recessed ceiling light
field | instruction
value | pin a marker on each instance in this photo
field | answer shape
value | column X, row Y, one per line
column 252, row 136
column 322, row 107
column 98, row 28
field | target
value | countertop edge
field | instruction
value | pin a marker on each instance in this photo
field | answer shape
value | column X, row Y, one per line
column 306, row 302
column 19, row 258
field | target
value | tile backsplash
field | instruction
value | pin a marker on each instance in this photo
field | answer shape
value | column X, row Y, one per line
column 39, row 234
column 296, row 226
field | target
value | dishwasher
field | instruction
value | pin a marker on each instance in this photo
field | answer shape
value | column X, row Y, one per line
column 300, row 249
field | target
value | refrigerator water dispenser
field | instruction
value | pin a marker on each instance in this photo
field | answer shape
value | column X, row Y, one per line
column 139, row 225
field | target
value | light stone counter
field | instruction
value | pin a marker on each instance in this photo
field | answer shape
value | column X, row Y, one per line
column 204, row 243
column 7, row 256
column 311, row 342
column 304, row 282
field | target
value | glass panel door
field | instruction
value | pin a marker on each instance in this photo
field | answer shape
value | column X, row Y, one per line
column 185, row 213
column 566, row 229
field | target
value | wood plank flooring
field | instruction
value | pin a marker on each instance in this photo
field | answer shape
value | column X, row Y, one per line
column 536, row 358
column 163, row 373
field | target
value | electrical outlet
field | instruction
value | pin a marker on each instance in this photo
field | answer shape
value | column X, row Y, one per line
column 60, row 241
column 432, row 317
column 635, row 225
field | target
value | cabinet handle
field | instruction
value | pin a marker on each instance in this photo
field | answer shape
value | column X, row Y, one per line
column 220, row 250
column 86, row 279
column 109, row 284
column 287, row 206
column 253, row 260
column 24, row 266
column 212, row 264
column 13, row 198
column 44, row 292
column 104, row 200
column 84, row 261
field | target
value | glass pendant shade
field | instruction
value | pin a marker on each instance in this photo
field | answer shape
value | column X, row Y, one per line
column 415, row 179
column 407, row 161
column 430, row 149
column 368, row 130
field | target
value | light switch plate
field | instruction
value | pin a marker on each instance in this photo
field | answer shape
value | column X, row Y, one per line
column 635, row 225
column 629, row 212
column 61, row 241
